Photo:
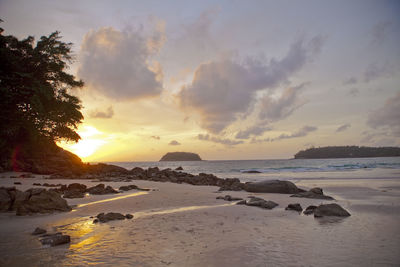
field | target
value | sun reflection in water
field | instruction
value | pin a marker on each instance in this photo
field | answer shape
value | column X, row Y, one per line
column 112, row 199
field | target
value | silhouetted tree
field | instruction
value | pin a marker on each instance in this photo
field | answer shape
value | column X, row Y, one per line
column 35, row 104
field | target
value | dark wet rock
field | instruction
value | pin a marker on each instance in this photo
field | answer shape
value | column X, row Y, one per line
column 179, row 169
column 262, row 203
column 330, row 210
column 55, row 239
column 128, row 187
column 17, row 183
column 137, row 171
column 229, row 198
column 272, row 186
column 19, row 199
column 41, row 201
column 252, row 171
column 309, row 210
column 314, row 193
column 39, row 231
column 296, row 207
column 105, row 217
column 128, row 216
column 100, row 189
column 95, row 220
column 37, row 184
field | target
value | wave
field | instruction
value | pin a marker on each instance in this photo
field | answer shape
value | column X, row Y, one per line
column 327, row 168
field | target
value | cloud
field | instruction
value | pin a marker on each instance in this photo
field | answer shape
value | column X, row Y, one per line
column 388, row 116
column 380, row 31
column 174, row 143
column 108, row 114
column 156, row 137
column 375, row 71
column 278, row 109
column 224, row 141
column 300, row 133
column 342, row 128
column 117, row 63
column 252, row 131
column 349, row 81
column 222, row 91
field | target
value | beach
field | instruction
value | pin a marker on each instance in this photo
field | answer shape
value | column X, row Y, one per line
column 185, row 225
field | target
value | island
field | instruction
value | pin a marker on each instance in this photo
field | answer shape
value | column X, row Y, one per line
column 180, row 156
column 347, row 152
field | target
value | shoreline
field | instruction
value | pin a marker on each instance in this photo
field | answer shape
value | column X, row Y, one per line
column 185, row 225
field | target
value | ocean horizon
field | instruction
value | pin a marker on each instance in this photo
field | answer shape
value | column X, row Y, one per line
column 284, row 169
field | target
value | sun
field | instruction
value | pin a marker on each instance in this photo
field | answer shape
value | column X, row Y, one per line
column 91, row 141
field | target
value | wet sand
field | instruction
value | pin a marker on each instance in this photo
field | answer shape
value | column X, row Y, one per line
column 184, row 225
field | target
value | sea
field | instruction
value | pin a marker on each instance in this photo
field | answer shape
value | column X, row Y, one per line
column 285, row 169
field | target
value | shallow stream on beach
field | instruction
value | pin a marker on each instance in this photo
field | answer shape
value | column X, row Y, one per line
column 183, row 225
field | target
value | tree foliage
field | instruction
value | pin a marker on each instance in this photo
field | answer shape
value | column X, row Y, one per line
column 34, row 90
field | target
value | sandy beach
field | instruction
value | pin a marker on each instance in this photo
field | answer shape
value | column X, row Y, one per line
column 185, row 225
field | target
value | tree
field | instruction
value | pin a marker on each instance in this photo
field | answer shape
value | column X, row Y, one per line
column 35, row 104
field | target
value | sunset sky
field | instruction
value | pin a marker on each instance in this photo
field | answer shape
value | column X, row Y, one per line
column 225, row 79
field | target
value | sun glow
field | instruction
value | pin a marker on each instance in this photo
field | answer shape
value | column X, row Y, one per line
column 91, row 141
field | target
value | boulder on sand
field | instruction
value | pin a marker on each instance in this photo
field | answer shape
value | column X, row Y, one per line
column 42, row 201
column 296, row 207
column 272, row 186
column 105, row 217
column 330, row 210
column 258, row 202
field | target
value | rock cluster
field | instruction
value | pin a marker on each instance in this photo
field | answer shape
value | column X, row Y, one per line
column 34, row 200
column 330, row 210
column 315, row 193
column 111, row 216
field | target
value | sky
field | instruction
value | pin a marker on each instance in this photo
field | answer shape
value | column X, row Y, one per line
column 225, row 79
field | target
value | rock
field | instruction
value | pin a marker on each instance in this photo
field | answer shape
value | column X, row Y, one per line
column 102, row 217
column 314, row 193
column 42, row 201
column 73, row 194
column 330, row 210
column 77, row 187
column 39, row 231
column 251, row 171
column 100, row 189
column 55, row 239
column 17, row 183
column 37, row 184
column 262, row 203
column 296, row 207
column 179, row 169
column 19, row 199
column 309, row 210
column 229, row 198
column 128, row 187
column 241, row 202
column 129, row 216
column 180, row 156
column 272, row 186
column 5, row 199
column 316, row 190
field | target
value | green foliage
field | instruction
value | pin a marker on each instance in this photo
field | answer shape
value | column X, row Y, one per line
column 34, row 99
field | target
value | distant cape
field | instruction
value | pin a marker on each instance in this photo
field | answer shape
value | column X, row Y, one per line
column 347, row 152
column 180, row 156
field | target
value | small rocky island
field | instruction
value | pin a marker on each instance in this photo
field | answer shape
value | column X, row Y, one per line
column 180, row 156
column 347, row 152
